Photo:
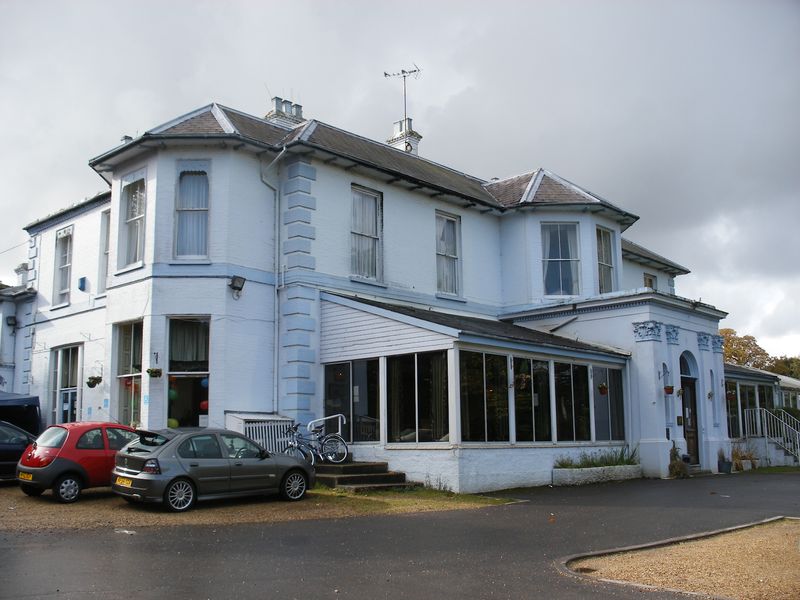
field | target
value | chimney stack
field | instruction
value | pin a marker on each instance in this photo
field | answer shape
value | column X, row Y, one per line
column 404, row 137
column 285, row 113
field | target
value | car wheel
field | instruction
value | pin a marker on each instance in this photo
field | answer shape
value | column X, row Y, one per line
column 294, row 485
column 179, row 495
column 30, row 490
column 67, row 488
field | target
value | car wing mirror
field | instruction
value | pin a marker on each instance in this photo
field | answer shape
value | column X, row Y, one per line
column 264, row 454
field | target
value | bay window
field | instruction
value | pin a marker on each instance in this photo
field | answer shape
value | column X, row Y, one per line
column 561, row 259
column 484, row 397
column 191, row 218
column 532, row 400
column 188, row 372
column 572, row 402
column 605, row 260
column 133, row 211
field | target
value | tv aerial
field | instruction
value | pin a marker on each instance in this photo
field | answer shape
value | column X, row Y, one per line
column 405, row 73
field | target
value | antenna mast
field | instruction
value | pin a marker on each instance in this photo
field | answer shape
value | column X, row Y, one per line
column 404, row 74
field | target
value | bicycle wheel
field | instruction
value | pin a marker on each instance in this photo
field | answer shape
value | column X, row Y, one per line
column 334, row 448
column 301, row 453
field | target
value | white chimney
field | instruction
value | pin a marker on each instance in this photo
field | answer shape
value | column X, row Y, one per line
column 22, row 274
column 404, row 137
column 285, row 113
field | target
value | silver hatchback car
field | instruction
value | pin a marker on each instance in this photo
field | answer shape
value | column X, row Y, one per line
column 180, row 466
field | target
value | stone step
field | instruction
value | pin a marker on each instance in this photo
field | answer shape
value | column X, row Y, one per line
column 351, row 467
column 390, row 477
column 373, row 487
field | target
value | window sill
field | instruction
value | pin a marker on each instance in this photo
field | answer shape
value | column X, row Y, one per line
column 189, row 261
column 129, row 268
column 365, row 281
column 453, row 297
column 100, row 296
column 59, row 306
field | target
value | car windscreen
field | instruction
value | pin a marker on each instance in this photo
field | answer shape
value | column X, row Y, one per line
column 53, row 437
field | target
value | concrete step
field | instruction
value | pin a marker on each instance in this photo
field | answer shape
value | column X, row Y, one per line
column 335, row 481
column 373, row 487
column 351, row 467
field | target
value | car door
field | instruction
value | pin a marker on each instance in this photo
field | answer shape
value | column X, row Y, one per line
column 203, row 461
column 252, row 469
column 12, row 444
column 90, row 453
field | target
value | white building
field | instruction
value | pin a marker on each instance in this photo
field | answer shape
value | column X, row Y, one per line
column 471, row 331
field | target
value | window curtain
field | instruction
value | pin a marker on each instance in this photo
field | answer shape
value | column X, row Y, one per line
column 568, row 243
column 192, row 214
column 364, row 237
column 446, row 255
column 188, row 345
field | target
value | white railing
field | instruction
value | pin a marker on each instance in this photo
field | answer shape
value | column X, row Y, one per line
column 270, row 433
column 790, row 419
column 340, row 417
column 759, row 422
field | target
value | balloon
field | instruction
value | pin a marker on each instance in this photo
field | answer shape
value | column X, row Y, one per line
column 204, row 406
column 204, row 382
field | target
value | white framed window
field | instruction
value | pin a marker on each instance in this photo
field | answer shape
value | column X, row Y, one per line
column 65, row 377
column 189, row 342
column 561, row 259
column 448, row 241
column 650, row 281
column 366, row 233
column 129, row 372
column 102, row 271
column 134, row 203
column 63, row 266
column 605, row 260
column 191, row 211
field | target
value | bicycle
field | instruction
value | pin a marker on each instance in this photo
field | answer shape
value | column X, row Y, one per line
column 322, row 447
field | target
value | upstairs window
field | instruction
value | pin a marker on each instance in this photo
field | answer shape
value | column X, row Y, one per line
column 63, row 265
column 133, row 209
column 102, row 274
column 191, row 238
column 605, row 260
column 650, row 281
column 561, row 259
column 448, row 229
column 365, row 235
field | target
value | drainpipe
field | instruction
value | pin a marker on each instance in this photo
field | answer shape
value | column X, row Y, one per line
column 276, row 270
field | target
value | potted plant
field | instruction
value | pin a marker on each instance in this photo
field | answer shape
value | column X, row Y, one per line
column 93, row 381
column 723, row 464
column 668, row 389
column 154, row 372
column 603, row 389
column 678, row 469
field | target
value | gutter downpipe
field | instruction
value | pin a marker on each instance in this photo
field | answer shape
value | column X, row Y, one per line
column 276, row 270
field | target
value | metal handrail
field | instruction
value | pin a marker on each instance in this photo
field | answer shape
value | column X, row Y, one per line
column 789, row 418
column 759, row 422
column 341, row 418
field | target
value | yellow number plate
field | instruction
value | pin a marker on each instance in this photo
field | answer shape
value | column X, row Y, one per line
column 26, row 476
column 124, row 481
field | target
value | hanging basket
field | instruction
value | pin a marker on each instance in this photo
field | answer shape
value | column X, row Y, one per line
column 668, row 390
column 602, row 389
column 154, row 372
column 93, row 381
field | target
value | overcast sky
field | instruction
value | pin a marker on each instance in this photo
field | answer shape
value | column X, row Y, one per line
column 685, row 113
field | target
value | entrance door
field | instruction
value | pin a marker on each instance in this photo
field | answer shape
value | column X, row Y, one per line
column 69, row 405
column 690, row 432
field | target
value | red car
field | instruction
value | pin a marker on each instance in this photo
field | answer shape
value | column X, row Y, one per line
column 70, row 457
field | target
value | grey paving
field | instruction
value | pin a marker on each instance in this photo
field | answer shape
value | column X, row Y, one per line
column 500, row 552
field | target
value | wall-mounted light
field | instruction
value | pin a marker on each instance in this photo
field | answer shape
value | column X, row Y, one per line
column 237, row 285
column 11, row 321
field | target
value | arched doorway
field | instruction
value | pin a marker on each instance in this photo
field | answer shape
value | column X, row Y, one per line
column 691, row 431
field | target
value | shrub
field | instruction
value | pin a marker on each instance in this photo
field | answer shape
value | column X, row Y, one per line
column 677, row 468
column 612, row 457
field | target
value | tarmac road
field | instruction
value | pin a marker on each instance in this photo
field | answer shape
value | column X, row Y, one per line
column 497, row 552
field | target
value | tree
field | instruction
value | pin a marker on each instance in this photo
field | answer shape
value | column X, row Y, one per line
column 744, row 350
column 786, row 365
